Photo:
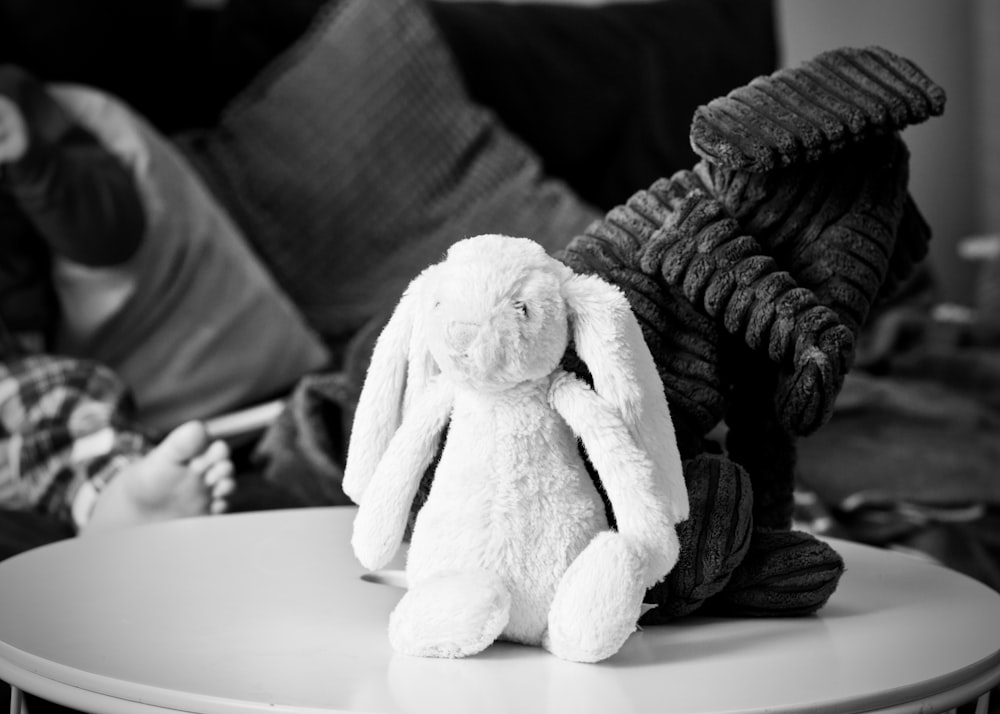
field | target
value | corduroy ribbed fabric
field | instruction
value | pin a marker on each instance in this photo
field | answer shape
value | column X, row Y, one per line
column 785, row 572
column 690, row 272
column 714, row 539
column 832, row 225
column 804, row 113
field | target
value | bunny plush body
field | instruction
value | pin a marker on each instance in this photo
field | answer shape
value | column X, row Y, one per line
column 513, row 541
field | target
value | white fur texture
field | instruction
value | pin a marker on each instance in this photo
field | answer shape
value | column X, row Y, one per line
column 513, row 540
column 451, row 615
column 598, row 602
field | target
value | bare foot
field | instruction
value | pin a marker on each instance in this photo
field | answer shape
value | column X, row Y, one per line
column 13, row 132
column 187, row 474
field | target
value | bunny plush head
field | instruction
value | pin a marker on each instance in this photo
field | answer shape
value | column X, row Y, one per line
column 500, row 319
column 499, row 311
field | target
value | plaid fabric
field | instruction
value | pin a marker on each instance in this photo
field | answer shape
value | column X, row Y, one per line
column 63, row 423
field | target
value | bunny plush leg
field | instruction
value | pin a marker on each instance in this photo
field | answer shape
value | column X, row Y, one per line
column 598, row 601
column 599, row 598
column 452, row 614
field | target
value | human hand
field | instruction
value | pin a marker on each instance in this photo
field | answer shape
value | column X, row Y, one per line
column 13, row 132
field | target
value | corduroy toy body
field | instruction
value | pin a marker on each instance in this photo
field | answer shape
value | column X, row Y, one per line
column 752, row 275
column 513, row 541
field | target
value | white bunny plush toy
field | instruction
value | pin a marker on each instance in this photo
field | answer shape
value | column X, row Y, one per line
column 513, row 541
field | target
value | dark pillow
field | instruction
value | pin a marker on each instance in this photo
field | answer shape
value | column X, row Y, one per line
column 605, row 93
column 357, row 158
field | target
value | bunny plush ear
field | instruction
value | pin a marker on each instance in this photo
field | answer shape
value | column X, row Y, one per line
column 609, row 340
column 400, row 368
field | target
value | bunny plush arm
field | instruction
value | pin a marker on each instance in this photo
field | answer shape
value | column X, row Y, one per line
column 627, row 474
column 609, row 340
column 381, row 520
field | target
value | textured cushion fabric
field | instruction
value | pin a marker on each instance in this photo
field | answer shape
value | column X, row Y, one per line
column 199, row 327
column 608, row 86
column 357, row 158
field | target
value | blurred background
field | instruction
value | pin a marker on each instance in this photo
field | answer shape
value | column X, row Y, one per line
column 955, row 158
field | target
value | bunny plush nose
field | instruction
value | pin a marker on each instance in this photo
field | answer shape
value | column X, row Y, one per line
column 461, row 334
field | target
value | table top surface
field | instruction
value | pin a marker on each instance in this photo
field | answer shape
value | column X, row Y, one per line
column 271, row 612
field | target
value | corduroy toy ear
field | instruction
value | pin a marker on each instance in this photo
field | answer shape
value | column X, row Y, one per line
column 609, row 340
column 401, row 365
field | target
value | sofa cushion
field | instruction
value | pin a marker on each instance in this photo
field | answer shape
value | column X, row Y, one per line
column 610, row 85
column 356, row 158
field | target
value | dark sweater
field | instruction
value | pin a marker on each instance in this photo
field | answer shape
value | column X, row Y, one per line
column 67, row 196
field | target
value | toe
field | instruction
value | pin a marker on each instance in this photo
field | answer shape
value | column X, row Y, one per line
column 219, row 480
column 218, row 474
column 185, row 442
column 216, row 453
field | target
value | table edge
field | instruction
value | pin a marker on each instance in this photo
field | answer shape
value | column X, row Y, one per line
column 72, row 687
column 134, row 698
column 24, row 670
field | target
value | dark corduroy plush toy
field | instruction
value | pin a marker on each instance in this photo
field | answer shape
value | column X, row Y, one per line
column 752, row 275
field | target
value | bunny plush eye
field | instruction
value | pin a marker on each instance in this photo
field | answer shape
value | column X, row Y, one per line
column 521, row 307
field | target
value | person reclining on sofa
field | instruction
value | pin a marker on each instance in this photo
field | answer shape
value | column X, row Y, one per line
column 67, row 204
column 121, row 281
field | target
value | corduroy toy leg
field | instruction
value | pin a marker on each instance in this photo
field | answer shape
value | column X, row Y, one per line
column 784, row 572
column 453, row 614
column 598, row 601
column 714, row 539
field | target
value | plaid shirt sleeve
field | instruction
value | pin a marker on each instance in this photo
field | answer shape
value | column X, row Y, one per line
column 65, row 431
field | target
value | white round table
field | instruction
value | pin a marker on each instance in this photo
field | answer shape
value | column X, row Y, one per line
column 269, row 612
